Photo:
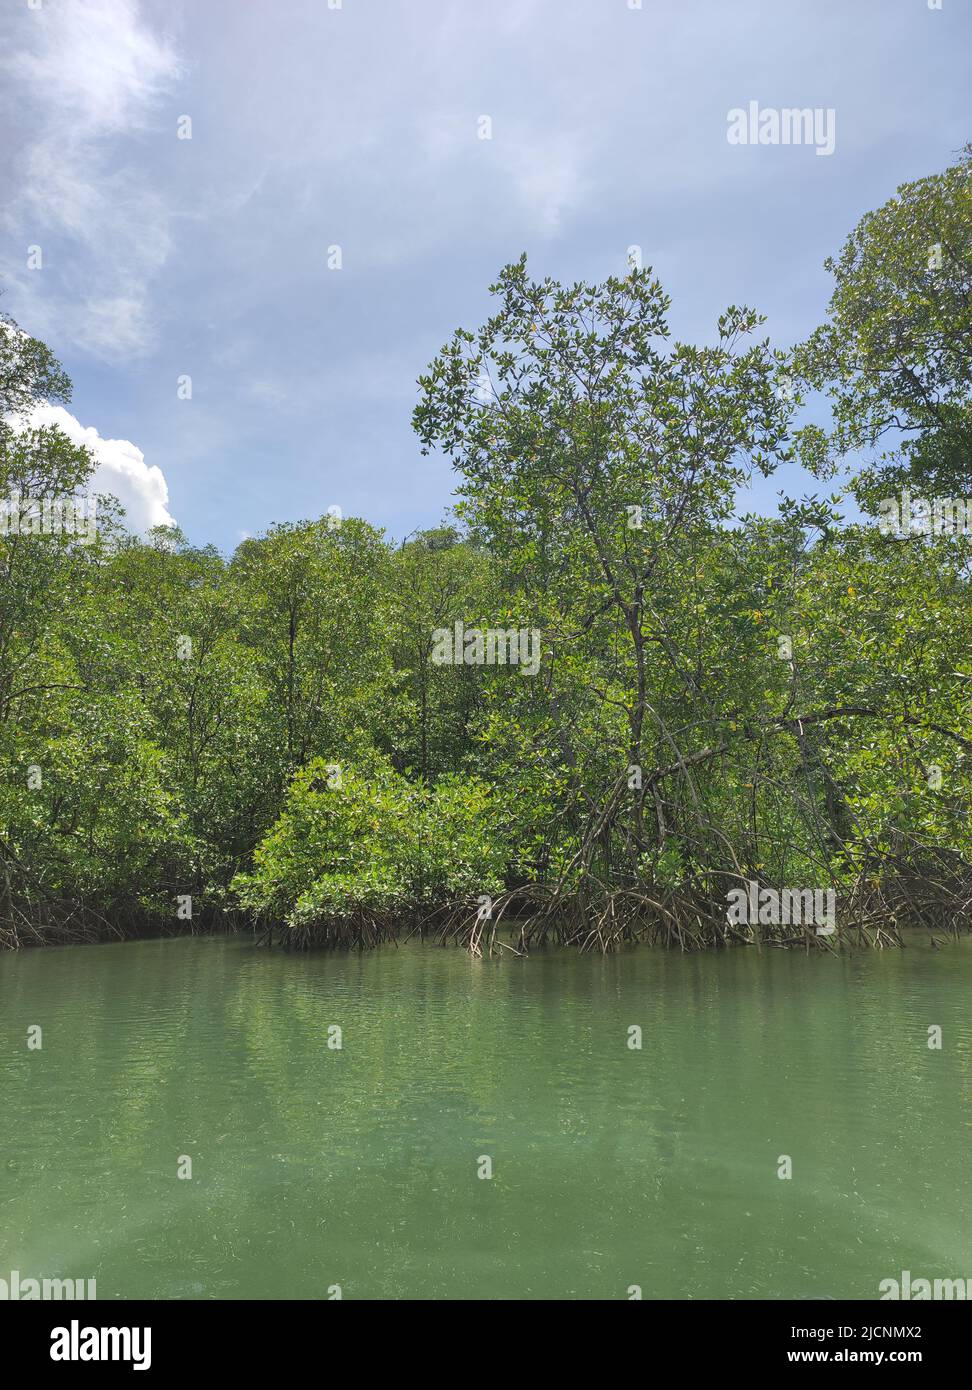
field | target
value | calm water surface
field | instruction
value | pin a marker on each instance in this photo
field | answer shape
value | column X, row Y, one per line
column 611, row 1167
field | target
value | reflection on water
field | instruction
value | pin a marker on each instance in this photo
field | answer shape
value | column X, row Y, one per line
column 314, row 1166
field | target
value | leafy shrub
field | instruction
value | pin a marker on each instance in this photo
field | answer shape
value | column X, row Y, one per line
column 361, row 838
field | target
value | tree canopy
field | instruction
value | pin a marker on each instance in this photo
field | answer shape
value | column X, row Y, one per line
column 273, row 737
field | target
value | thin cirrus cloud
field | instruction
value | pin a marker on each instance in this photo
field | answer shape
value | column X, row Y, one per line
column 88, row 78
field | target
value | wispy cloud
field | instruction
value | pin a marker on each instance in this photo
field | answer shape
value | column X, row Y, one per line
column 92, row 76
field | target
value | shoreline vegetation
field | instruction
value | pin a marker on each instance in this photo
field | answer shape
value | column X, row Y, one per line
column 523, row 923
column 589, row 708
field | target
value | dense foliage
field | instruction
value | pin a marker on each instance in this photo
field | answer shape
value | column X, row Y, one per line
column 187, row 738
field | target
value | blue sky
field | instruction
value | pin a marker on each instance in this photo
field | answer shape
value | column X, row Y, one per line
column 358, row 126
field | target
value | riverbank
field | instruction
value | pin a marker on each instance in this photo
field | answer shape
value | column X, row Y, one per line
column 505, row 928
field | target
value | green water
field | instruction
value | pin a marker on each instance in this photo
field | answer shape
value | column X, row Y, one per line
column 357, row 1167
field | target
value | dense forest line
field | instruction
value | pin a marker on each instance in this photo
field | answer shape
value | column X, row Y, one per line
column 587, row 708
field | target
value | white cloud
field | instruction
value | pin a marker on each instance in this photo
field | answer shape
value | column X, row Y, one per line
column 122, row 471
column 91, row 75
column 98, row 66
